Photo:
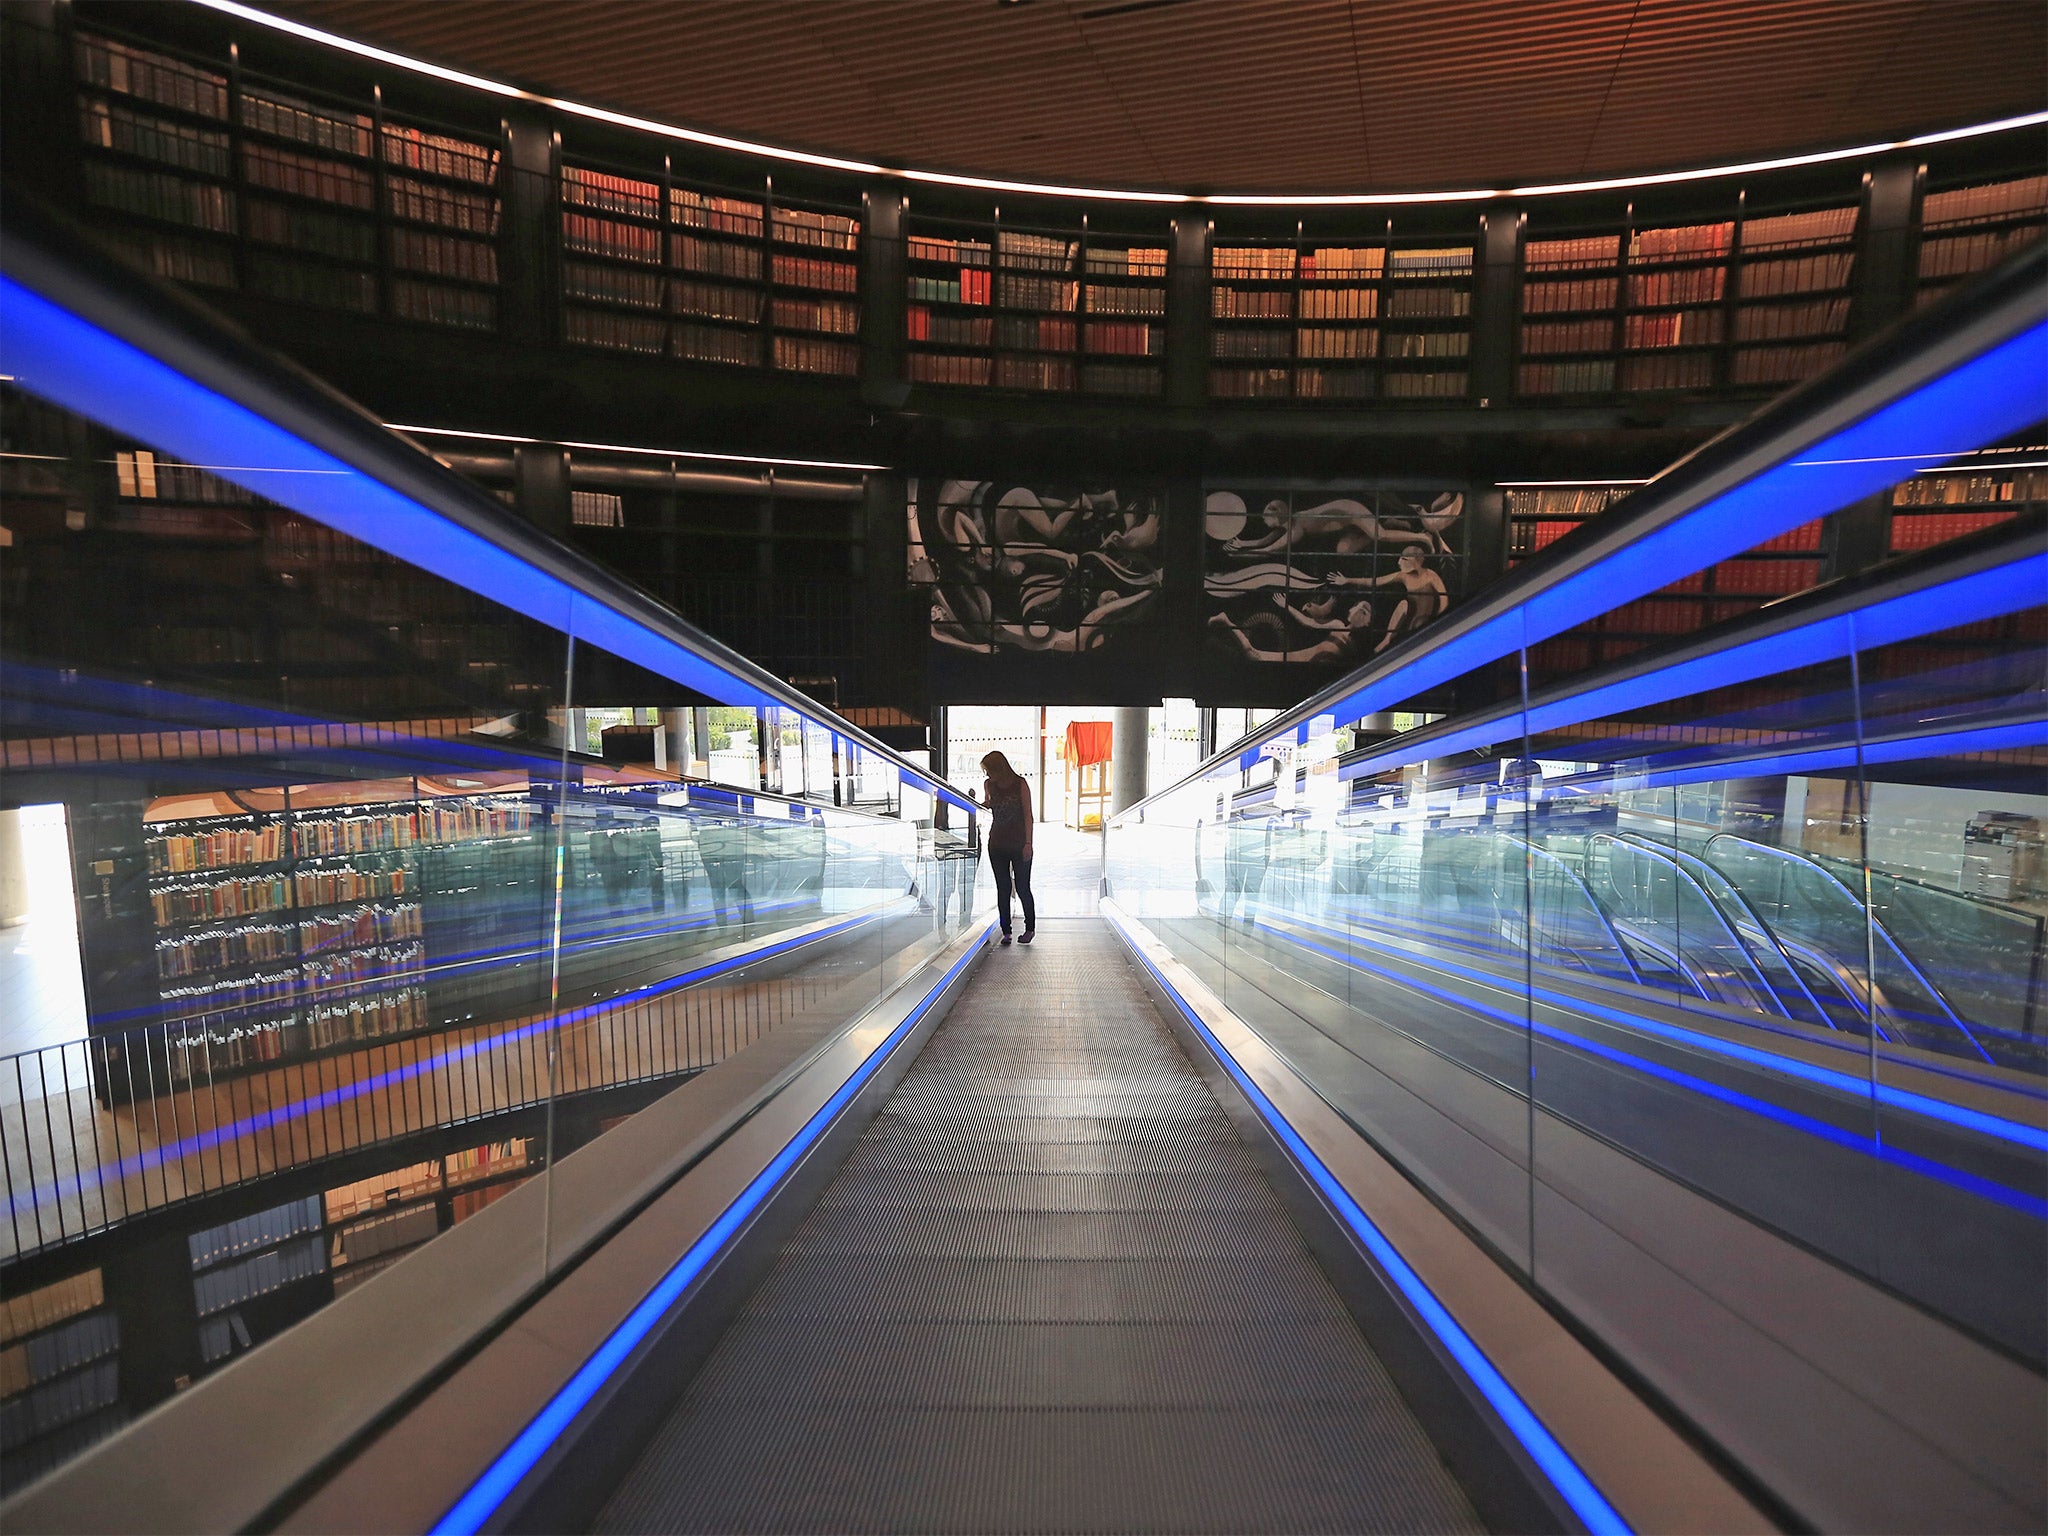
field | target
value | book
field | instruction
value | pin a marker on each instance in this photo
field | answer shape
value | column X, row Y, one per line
column 1691, row 285
column 474, row 213
column 1425, row 344
column 1045, row 293
column 417, row 250
column 1821, row 226
column 612, row 285
column 619, row 333
column 1252, row 304
column 1798, row 274
column 833, row 316
column 611, row 194
column 1924, row 530
column 1577, row 251
column 1124, row 338
column 1344, row 263
column 1670, row 370
column 1033, row 333
column 339, row 235
column 1777, row 322
column 1350, row 342
column 596, row 509
column 1591, row 335
column 1339, row 303
column 158, row 195
column 1690, row 242
column 1783, row 365
column 1578, row 293
column 828, row 231
column 940, row 368
column 440, row 154
column 1251, row 383
column 1961, row 489
column 716, row 301
column 1137, row 261
column 1035, row 253
column 2024, row 197
column 1119, row 379
column 1226, row 342
column 804, row 355
column 719, row 215
column 1260, row 263
column 717, row 344
column 310, row 176
column 816, row 272
column 947, row 330
column 1334, row 383
column 187, row 261
column 1426, row 386
column 965, row 253
column 1963, row 254
column 1428, row 303
column 1436, row 261
column 110, row 125
column 1104, row 300
column 1034, row 373
column 150, row 76
column 1672, row 328
column 718, row 258
column 286, row 117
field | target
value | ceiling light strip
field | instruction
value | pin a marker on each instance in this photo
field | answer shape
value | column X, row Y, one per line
column 654, row 453
column 1104, row 194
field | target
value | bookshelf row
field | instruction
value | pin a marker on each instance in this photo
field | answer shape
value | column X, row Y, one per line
column 231, row 185
column 223, row 180
column 59, row 1373
column 749, row 281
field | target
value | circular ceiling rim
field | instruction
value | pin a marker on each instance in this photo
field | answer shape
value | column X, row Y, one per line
column 759, row 149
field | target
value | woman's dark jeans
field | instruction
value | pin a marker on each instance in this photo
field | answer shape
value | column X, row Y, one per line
column 1010, row 865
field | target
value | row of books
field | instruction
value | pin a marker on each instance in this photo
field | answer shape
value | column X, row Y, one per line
column 1333, row 383
column 1119, row 379
column 922, row 324
column 159, row 195
column 360, row 926
column 382, row 1190
column 362, row 832
column 623, row 333
column 265, row 1229
column 440, row 154
column 487, row 1161
column 613, row 194
column 1034, row 333
column 721, row 215
column 716, row 344
column 339, row 972
column 326, row 884
column 227, row 1004
column 828, row 231
column 51, row 1354
column 1268, row 343
column 1253, row 263
column 215, row 847
column 471, row 261
column 629, row 242
column 1803, row 540
column 1770, row 577
column 59, row 1405
column 1655, row 616
column 832, row 316
column 233, row 1284
column 970, row 287
column 1783, row 365
column 623, row 285
column 1923, row 530
column 300, row 282
column 216, row 949
column 1426, row 386
column 1253, row 304
column 109, row 125
column 434, row 304
column 197, row 903
column 308, row 176
column 597, row 509
column 798, row 354
column 1352, row 342
column 182, row 260
column 1671, row 328
column 1795, row 274
column 141, row 474
column 426, row 202
column 383, row 1233
column 1953, row 490
column 1578, row 501
column 286, row 117
column 962, row 253
column 1040, row 253
column 2024, row 197
column 1251, row 383
column 1589, row 335
column 716, row 301
column 150, row 76
column 944, row 368
column 1819, row 226
column 1690, row 242
column 1123, row 339
column 1669, row 370
column 1047, row 293
column 1578, row 293
column 1978, row 251
column 1103, row 300
column 1689, row 285
column 1137, row 261
column 1425, row 344
column 1579, row 251
column 1780, row 322
column 366, row 1016
column 1038, row 373
column 1442, row 261
column 466, row 1203
column 313, row 229
column 1428, row 303
column 814, row 272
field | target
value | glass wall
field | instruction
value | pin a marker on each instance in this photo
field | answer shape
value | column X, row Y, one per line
column 1671, row 977
column 381, row 908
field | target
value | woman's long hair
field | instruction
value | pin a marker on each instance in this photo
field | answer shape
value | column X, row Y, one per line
column 998, row 769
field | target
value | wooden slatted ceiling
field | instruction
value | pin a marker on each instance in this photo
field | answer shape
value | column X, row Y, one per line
column 1257, row 95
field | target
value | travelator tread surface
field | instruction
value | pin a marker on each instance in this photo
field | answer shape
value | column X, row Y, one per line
column 1048, row 1290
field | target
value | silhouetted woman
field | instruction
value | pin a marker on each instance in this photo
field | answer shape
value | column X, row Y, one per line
column 1008, row 799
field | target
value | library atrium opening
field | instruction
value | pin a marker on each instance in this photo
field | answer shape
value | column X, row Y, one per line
column 1023, row 766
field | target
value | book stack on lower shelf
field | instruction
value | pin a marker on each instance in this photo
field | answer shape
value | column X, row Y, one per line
column 1570, row 315
column 60, row 1377
column 1792, row 294
column 1123, row 308
column 241, row 1262
column 1970, row 229
column 1931, row 509
column 1674, row 307
column 1426, row 335
column 815, row 284
column 373, row 1223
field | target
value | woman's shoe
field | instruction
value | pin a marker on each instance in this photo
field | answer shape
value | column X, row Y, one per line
column 1006, row 941
column 1029, row 935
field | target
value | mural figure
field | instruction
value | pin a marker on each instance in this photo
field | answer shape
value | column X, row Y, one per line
column 1301, row 580
column 1034, row 569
